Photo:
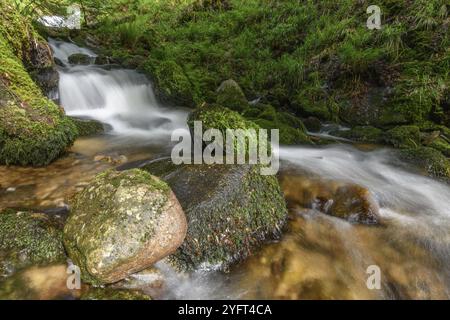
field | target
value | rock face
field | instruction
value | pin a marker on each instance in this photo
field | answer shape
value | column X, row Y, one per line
column 122, row 223
column 230, row 95
column 231, row 209
column 28, row 238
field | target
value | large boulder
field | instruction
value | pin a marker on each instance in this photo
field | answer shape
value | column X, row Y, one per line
column 428, row 160
column 28, row 239
column 122, row 223
column 230, row 95
column 231, row 210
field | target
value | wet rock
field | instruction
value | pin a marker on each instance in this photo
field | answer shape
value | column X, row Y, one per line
column 122, row 223
column 362, row 134
column 430, row 160
column 80, row 59
column 230, row 95
column 39, row 283
column 403, row 137
column 231, row 210
column 28, row 238
column 355, row 204
column 313, row 124
column 150, row 281
column 113, row 294
column 88, row 127
column 113, row 159
column 343, row 200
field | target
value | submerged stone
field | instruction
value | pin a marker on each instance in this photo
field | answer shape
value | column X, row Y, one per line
column 122, row 223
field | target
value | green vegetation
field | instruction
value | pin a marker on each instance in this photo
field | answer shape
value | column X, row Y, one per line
column 33, row 130
column 29, row 238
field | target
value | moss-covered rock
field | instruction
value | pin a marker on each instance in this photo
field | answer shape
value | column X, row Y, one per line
column 121, row 223
column 403, row 137
column 230, row 95
column 28, row 238
column 362, row 134
column 313, row 124
column 231, row 210
column 428, row 159
column 33, row 130
column 221, row 118
column 80, row 59
column 113, row 294
column 172, row 84
column 88, row 127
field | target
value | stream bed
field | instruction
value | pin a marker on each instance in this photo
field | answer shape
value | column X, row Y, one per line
column 318, row 257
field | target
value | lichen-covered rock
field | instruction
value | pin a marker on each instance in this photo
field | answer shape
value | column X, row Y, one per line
column 432, row 161
column 122, row 223
column 28, row 238
column 33, row 130
column 231, row 210
column 230, row 95
column 80, row 59
column 113, row 294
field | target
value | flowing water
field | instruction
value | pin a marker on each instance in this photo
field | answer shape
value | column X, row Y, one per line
column 319, row 256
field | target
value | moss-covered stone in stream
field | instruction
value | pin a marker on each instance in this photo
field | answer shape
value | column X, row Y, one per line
column 171, row 83
column 362, row 134
column 88, row 127
column 79, row 59
column 230, row 95
column 28, row 238
column 113, row 294
column 231, row 210
column 33, row 130
column 403, row 137
column 433, row 162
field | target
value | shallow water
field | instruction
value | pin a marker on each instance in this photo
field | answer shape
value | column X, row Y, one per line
column 318, row 257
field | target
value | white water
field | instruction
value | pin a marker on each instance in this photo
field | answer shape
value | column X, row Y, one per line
column 124, row 99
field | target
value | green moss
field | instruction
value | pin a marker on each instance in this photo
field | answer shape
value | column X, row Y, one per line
column 79, row 59
column 34, row 130
column 230, row 95
column 231, row 210
column 403, row 137
column 362, row 133
column 27, row 238
column 429, row 160
column 113, row 294
column 172, row 83
column 88, row 127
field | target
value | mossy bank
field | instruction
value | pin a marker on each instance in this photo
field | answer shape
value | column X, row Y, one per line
column 33, row 129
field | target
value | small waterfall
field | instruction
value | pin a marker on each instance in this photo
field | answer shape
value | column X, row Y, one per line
column 124, row 99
